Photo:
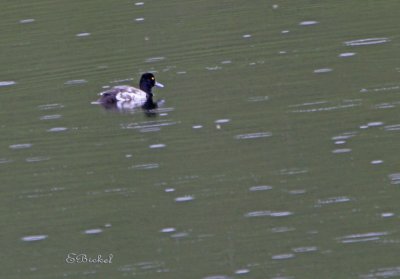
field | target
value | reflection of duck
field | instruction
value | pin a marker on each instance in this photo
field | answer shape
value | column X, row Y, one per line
column 128, row 97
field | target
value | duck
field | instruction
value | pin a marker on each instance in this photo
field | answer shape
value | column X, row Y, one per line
column 129, row 97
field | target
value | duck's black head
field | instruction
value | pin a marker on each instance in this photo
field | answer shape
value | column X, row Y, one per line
column 147, row 82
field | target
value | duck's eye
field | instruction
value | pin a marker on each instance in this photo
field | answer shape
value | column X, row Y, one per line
column 152, row 78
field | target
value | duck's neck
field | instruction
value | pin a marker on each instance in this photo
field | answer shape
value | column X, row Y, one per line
column 146, row 88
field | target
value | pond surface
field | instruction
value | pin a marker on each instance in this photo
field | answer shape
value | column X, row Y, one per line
column 275, row 154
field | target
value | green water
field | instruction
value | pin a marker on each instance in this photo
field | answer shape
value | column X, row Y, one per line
column 274, row 156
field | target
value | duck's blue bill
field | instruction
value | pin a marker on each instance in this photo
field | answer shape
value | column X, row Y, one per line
column 159, row 84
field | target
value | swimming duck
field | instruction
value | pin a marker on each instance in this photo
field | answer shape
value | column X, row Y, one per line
column 128, row 97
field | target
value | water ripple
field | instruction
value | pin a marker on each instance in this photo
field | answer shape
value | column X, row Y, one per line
column 159, row 145
column 305, row 249
column 308, row 23
column 394, row 178
column 367, row 41
column 83, row 34
column 395, row 127
column 347, row 54
column 184, row 199
column 258, row 99
column 93, row 231
column 381, row 89
column 341, row 150
column 268, row 213
column 146, row 166
column 217, row 277
column 57, row 129
column 253, row 135
column 50, row 106
column 154, row 59
column 75, row 82
column 330, row 108
column 20, row 146
column 5, row 161
column 333, row 200
column 28, row 20
column 156, row 125
column 283, row 256
column 7, row 83
column 260, row 188
column 322, row 70
column 385, row 272
column 222, row 121
column 30, row 238
column 363, row 237
column 37, row 159
column 242, row 271
column 168, row 230
column 50, row 117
